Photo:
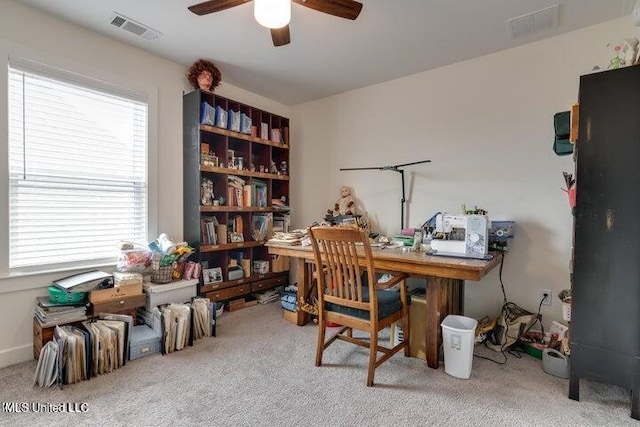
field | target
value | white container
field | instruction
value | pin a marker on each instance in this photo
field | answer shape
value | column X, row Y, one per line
column 178, row 292
column 458, row 338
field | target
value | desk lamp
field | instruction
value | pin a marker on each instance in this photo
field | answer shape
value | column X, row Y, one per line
column 395, row 168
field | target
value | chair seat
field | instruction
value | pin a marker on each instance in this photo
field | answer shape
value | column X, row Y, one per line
column 388, row 303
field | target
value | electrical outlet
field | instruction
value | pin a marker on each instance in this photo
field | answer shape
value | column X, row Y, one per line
column 545, row 297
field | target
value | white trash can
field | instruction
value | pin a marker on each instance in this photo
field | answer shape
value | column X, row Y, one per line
column 458, row 338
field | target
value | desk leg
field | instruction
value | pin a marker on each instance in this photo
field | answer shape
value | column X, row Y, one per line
column 444, row 296
column 303, row 290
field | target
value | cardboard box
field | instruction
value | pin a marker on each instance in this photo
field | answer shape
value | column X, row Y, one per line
column 291, row 316
column 119, row 292
column 417, row 325
column 279, row 263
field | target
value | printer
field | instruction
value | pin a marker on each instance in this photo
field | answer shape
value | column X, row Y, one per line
column 461, row 235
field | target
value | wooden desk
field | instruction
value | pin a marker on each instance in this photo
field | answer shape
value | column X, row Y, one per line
column 444, row 276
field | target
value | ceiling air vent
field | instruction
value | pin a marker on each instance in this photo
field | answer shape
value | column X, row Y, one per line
column 543, row 19
column 133, row 27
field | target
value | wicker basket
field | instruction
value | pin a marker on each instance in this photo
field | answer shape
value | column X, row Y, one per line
column 162, row 274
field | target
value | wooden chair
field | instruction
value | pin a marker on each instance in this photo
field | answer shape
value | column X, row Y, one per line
column 354, row 300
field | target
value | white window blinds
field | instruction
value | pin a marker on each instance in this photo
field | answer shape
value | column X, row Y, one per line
column 77, row 170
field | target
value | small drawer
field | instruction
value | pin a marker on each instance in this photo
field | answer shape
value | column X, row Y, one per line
column 269, row 283
column 225, row 294
column 118, row 306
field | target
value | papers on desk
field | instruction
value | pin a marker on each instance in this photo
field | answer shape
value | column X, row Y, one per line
column 292, row 238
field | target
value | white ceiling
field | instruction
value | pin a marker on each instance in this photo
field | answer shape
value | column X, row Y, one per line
column 329, row 55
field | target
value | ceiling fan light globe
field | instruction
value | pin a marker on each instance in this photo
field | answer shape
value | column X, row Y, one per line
column 272, row 13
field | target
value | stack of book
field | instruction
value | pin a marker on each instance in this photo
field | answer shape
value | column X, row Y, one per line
column 56, row 313
column 267, row 296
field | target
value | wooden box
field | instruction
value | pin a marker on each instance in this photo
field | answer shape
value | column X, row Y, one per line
column 41, row 336
column 115, row 293
column 120, row 305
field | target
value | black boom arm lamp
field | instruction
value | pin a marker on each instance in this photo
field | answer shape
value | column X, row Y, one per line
column 395, row 168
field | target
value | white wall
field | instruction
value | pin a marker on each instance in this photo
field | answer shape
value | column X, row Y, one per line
column 487, row 126
column 64, row 45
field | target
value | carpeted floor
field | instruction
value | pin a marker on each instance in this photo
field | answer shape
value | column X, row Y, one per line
column 260, row 371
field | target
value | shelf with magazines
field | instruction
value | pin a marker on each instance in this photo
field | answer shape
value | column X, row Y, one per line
column 235, row 163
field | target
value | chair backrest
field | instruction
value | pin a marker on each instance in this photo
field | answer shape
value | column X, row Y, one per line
column 338, row 269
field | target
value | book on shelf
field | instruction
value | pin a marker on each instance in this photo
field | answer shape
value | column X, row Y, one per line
column 258, row 193
column 246, row 195
column 261, row 226
column 209, row 227
column 264, row 131
column 234, row 190
column 275, row 135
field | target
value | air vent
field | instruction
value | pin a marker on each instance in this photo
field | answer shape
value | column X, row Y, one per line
column 133, row 27
column 544, row 19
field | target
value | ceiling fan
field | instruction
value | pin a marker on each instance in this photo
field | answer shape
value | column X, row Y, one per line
column 276, row 14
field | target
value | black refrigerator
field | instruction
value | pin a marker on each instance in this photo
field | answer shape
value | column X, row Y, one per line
column 605, row 312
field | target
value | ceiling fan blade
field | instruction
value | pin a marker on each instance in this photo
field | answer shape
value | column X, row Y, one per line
column 215, row 6
column 280, row 36
column 348, row 9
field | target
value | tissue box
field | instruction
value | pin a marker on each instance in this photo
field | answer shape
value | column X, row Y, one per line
column 143, row 342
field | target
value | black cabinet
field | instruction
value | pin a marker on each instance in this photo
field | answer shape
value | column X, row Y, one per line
column 605, row 314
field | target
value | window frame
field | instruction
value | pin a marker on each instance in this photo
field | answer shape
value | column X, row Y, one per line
column 50, row 66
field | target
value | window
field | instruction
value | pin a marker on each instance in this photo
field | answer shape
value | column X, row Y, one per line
column 77, row 169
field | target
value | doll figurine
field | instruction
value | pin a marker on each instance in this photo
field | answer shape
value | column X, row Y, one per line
column 204, row 75
column 345, row 205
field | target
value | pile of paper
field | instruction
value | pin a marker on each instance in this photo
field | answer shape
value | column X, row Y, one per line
column 267, row 296
column 292, row 238
column 176, row 327
column 77, row 353
column 52, row 314
column 202, row 315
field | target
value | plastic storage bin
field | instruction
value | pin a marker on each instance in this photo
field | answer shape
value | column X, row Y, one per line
column 458, row 338
column 178, row 292
column 143, row 342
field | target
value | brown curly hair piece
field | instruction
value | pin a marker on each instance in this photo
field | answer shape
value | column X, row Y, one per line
column 203, row 65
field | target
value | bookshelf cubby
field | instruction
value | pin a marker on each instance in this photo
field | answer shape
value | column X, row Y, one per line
column 231, row 175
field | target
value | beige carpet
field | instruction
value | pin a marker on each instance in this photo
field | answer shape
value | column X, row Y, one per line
column 259, row 372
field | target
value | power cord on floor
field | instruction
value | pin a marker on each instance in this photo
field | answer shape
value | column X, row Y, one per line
column 505, row 306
